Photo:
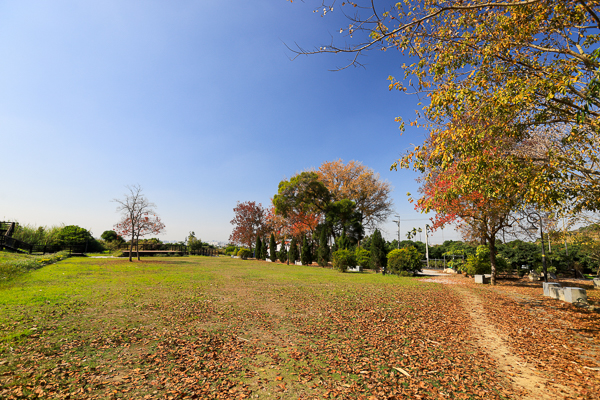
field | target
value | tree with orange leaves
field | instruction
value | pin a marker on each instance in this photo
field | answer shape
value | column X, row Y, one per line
column 359, row 183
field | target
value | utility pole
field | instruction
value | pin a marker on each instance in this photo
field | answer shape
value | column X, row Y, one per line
column 398, row 222
column 427, row 244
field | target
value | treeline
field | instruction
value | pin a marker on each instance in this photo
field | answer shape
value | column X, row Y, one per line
column 56, row 238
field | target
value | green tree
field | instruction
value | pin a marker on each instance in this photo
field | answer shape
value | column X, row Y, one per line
column 406, row 260
column 363, row 257
column 293, row 251
column 257, row 248
column 323, row 252
column 306, row 256
column 193, row 242
column 273, row 248
column 302, row 194
column 283, row 253
column 264, row 249
column 109, row 236
column 343, row 259
column 480, row 264
column 378, row 253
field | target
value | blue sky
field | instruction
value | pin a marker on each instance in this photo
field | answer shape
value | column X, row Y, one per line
column 198, row 102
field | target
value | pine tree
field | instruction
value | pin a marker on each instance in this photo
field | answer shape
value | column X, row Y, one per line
column 273, row 248
column 378, row 253
column 323, row 253
column 293, row 251
column 283, row 254
column 263, row 252
column 306, row 256
column 257, row 248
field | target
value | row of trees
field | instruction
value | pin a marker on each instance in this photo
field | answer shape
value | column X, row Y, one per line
column 323, row 211
column 56, row 238
column 512, row 105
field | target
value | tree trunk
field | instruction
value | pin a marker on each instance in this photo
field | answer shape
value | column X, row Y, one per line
column 492, row 247
column 131, row 248
column 137, row 247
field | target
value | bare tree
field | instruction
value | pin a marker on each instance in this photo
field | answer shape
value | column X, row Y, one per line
column 138, row 217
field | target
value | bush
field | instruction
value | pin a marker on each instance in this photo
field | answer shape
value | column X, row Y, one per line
column 244, row 253
column 343, row 259
column 479, row 264
column 406, row 260
column 363, row 257
column 283, row 254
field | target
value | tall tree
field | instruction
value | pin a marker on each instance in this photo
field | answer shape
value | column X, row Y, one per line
column 323, row 252
column 249, row 222
column 378, row 253
column 356, row 182
column 258, row 248
column 138, row 217
column 273, row 248
column 306, row 255
column 293, row 253
column 533, row 63
column 302, row 194
column 264, row 251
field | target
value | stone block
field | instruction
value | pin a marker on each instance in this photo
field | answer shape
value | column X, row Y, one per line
column 482, row 279
column 547, row 286
column 534, row 276
column 449, row 271
column 596, row 283
column 575, row 295
column 298, row 262
column 268, row 260
column 556, row 292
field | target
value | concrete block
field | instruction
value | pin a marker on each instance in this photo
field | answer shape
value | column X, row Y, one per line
column 483, row 278
column 547, row 286
column 556, row 292
column 596, row 283
column 298, row 263
column 268, row 260
column 575, row 295
column 534, row 276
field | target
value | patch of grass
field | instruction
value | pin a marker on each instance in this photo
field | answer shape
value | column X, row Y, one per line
column 217, row 326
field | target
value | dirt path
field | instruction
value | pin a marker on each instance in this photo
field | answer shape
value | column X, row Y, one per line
column 524, row 378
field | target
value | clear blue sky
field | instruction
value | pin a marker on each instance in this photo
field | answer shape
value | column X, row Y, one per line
column 196, row 101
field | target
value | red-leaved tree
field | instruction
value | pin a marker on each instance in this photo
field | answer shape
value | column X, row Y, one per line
column 137, row 217
column 250, row 220
column 148, row 224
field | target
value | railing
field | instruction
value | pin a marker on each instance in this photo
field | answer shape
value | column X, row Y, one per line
column 7, row 228
column 434, row 263
column 15, row 244
column 155, row 247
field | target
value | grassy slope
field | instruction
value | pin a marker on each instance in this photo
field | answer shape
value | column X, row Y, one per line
column 200, row 327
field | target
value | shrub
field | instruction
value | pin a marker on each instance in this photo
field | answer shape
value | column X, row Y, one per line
column 479, row 263
column 363, row 257
column 244, row 253
column 343, row 259
column 407, row 259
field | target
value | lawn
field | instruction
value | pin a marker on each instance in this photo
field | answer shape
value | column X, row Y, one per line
column 208, row 327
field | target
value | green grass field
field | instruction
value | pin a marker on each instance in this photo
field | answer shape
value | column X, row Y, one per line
column 207, row 327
